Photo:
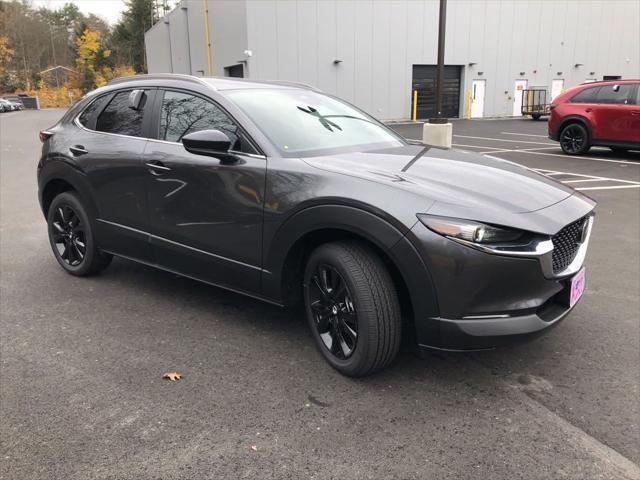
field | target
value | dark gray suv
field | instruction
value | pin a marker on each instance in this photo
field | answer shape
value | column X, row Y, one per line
column 286, row 194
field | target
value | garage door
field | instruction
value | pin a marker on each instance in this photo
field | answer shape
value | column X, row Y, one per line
column 424, row 81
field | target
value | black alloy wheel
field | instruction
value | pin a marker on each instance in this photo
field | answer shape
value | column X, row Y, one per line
column 67, row 233
column 574, row 139
column 71, row 237
column 335, row 316
column 352, row 307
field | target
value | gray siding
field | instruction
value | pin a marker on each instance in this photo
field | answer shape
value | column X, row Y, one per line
column 378, row 42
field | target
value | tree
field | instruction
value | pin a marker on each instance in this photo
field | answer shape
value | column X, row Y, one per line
column 6, row 52
column 92, row 60
column 128, row 34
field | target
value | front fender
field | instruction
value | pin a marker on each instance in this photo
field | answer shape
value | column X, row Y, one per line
column 367, row 225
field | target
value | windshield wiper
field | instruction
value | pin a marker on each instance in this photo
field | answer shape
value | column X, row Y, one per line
column 415, row 159
column 328, row 124
column 324, row 119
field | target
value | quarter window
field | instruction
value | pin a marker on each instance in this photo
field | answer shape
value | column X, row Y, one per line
column 616, row 94
column 588, row 95
column 183, row 113
column 120, row 117
column 87, row 117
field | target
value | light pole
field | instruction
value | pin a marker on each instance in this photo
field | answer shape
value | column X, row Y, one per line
column 442, row 24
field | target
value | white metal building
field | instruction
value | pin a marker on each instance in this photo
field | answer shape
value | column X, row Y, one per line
column 374, row 53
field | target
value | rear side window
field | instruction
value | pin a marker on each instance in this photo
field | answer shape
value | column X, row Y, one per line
column 588, row 95
column 616, row 94
column 120, row 117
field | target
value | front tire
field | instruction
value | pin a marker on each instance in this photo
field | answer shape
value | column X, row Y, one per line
column 574, row 139
column 71, row 237
column 352, row 308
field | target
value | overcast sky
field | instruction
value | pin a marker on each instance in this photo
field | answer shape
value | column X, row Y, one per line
column 109, row 9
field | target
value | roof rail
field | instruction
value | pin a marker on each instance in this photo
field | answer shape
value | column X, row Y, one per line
column 160, row 76
column 284, row 83
column 287, row 83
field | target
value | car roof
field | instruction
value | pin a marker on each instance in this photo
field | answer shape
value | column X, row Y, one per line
column 611, row 82
column 216, row 83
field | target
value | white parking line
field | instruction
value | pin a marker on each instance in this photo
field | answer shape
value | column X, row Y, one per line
column 555, row 172
column 615, row 187
column 504, row 140
column 586, row 180
column 590, row 178
column 518, row 149
column 583, row 157
column 524, row 134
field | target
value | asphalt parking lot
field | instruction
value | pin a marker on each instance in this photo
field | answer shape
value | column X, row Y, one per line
column 81, row 361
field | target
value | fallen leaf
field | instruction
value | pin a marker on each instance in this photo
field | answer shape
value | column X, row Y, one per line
column 173, row 376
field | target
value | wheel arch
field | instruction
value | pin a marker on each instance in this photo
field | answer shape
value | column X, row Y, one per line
column 576, row 119
column 306, row 230
column 57, row 177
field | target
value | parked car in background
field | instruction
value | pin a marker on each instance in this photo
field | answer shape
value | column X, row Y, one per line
column 603, row 114
column 11, row 105
column 283, row 193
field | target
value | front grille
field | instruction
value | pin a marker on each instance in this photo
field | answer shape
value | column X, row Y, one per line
column 566, row 244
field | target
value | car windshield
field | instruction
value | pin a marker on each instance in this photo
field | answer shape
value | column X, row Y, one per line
column 305, row 123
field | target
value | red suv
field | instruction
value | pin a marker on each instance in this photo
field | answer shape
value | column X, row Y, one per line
column 600, row 113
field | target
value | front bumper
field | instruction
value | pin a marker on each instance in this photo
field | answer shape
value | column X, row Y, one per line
column 492, row 332
column 486, row 300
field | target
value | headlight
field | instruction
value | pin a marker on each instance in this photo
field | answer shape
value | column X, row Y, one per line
column 470, row 231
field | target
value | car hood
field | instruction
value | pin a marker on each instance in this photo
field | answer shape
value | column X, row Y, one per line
column 452, row 177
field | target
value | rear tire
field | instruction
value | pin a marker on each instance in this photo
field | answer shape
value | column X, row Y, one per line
column 536, row 116
column 352, row 308
column 71, row 237
column 574, row 139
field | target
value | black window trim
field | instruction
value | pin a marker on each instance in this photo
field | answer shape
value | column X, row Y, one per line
column 632, row 95
column 595, row 87
column 146, row 116
column 155, row 122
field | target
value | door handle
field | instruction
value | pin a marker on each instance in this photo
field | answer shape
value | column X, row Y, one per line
column 157, row 168
column 78, row 150
column 588, row 110
column 635, row 112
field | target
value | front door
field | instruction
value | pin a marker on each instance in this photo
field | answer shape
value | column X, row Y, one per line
column 205, row 213
column 477, row 98
column 518, row 90
column 109, row 150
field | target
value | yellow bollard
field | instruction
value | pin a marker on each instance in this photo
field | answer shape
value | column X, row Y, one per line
column 414, row 112
column 469, row 100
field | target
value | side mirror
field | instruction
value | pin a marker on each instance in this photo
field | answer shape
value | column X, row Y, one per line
column 213, row 143
column 137, row 99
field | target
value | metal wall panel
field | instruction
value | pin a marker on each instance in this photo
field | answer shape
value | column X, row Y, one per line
column 379, row 41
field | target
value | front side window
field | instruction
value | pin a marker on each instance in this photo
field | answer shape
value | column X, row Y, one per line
column 616, row 94
column 121, row 117
column 183, row 113
column 304, row 122
column 588, row 95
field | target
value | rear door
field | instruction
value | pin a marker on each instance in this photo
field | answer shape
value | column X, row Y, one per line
column 109, row 149
column 205, row 213
column 613, row 113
